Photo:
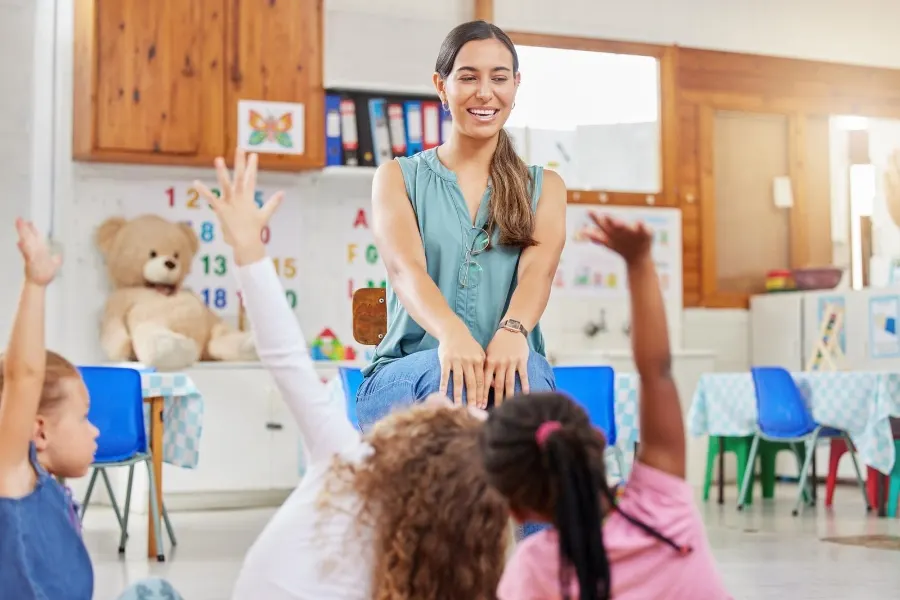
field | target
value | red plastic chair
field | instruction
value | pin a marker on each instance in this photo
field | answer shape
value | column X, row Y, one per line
column 838, row 448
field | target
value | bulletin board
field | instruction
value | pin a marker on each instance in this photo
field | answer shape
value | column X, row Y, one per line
column 212, row 273
column 593, row 271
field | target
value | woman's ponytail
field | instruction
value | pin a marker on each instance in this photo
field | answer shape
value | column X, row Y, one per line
column 511, row 189
column 578, row 516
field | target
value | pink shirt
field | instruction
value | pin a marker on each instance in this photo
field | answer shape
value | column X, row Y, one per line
column 641, row 566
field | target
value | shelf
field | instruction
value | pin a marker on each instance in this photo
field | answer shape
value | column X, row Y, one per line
column 348, row 172
column 382, row 90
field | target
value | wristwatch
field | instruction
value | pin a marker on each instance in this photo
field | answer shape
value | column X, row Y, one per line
column 513, row 325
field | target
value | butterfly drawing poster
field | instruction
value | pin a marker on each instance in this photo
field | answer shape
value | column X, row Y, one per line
column 273, row 127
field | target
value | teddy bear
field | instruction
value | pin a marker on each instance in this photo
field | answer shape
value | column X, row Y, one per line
column 149, row 316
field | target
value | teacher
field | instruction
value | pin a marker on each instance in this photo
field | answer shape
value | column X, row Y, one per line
column 471, row 238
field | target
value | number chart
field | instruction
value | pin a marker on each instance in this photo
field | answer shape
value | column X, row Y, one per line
column 212, row 275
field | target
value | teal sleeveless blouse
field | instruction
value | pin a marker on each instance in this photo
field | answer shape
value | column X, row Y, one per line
column 477, row 284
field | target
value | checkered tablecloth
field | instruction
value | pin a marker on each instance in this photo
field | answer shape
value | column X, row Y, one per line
column 182, row 416
column 859, row 403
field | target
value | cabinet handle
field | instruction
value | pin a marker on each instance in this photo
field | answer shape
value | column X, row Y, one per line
column 274, row 426
column 236, row 75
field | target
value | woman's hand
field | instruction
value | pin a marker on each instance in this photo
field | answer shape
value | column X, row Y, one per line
column 40, row 264
column 241, row 219
column 631, row 242
column 461, row 355
column 507, row 354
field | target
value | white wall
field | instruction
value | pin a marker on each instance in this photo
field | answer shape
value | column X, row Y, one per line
column 388, row 44
column 862, row 32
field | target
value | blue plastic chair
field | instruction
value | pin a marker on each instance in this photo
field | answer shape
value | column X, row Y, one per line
column 783, row 416
column 117, row 410
column 594, row 388
column 351, row 379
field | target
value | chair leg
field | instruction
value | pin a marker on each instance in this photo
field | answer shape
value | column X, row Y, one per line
column 859, row 480
column 804, row 472
column 169, row 529
column 124, row 537
column 712, row 452
column 748, row 472
column 154, row 507
column 87, row 494
column 834, row 458
column 112, row 496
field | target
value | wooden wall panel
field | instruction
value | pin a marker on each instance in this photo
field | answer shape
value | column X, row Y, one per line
column 688, row 176
column 818, row 191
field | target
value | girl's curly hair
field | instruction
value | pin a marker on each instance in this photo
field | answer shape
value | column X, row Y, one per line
column 439, row 527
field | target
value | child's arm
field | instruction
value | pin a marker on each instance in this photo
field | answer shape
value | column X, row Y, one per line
column 662, row 437
column 324, row 425
column 24, row 362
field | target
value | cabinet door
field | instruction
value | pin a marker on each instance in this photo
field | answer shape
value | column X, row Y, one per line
column 274, row 53
column 148, row 82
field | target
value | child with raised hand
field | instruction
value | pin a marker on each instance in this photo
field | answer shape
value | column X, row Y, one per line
column 542, row 453
column 44, row 432
column 402, row 513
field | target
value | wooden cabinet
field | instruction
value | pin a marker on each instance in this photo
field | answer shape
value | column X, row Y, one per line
column 274, row 53
column 159, row 82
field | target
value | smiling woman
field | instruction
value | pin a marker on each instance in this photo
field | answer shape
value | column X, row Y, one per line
column 471, row 237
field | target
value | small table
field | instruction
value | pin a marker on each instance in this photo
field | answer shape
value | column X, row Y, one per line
column 172, row 399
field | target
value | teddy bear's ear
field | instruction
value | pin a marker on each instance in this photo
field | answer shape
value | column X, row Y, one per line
column 191, row 236
column 106, row 233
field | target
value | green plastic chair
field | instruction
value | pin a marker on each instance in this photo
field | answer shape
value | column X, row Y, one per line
column 894, row 490
column 740, row 447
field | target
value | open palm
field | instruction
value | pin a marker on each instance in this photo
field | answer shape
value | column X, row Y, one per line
column 241, row 219
column 631, row 242
column 41, row 265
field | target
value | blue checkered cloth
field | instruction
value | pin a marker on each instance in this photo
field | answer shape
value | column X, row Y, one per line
column 859, row 403
column 182, row 416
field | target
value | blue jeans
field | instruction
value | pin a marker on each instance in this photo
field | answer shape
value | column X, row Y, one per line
column 409, row 380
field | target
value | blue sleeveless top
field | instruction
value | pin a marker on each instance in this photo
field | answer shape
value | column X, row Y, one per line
column 477, row 284
column 42, row 555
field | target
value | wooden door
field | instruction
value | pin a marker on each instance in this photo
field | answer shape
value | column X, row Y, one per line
column 274, row 53
column 148, row 84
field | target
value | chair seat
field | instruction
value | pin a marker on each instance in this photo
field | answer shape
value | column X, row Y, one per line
column 830, row 432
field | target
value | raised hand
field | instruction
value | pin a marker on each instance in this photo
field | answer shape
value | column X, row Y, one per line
column 241, row 219
column 41, row 265
column 631, row 242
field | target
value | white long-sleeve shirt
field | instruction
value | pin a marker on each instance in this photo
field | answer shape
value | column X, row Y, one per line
column 305, row 552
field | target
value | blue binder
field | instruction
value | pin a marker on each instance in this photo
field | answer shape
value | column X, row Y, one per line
column 333, row 150
column 413, row 113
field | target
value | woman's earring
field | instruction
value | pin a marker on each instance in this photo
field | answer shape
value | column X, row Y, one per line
column 445, row 105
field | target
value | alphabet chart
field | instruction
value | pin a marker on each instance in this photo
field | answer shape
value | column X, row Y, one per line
column 212, row 276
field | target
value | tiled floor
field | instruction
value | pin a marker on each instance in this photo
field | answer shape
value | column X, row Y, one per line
column 763, row 554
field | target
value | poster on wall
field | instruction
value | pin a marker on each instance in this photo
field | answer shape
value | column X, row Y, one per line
column 884, row 315
column 212, row 272
column 586, row 269
column 840, row 304
column 273, row 127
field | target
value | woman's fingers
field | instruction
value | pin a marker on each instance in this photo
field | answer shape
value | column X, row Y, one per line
column 488, row 381
column 445, row 377
column 523, row 376
column 499, row 385
column 511, row 381
column 458, row 381
column 472, row 388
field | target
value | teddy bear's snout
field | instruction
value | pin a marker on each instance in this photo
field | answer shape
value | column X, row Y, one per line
column 170, row 264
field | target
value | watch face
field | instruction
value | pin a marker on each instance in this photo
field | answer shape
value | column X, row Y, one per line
column 513, row 324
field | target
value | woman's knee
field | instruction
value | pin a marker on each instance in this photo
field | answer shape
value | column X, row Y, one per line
column 540, row 373
column 402, row 382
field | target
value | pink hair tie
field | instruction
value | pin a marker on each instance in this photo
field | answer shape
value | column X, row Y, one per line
column 544, row 430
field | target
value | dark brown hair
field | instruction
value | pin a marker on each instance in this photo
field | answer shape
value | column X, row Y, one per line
column 511, row 183
column 440, row 529
column 57, row 369
column 563, row 480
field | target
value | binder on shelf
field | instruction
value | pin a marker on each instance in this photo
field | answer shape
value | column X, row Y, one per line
column 333, row 152
column 431, row 125
column 446, row 125
column 349, row 137
column 381, row 136
column 397, row 128
column 413, row 112
column 364, row 132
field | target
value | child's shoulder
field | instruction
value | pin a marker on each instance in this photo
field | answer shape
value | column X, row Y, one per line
column 533, row 569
